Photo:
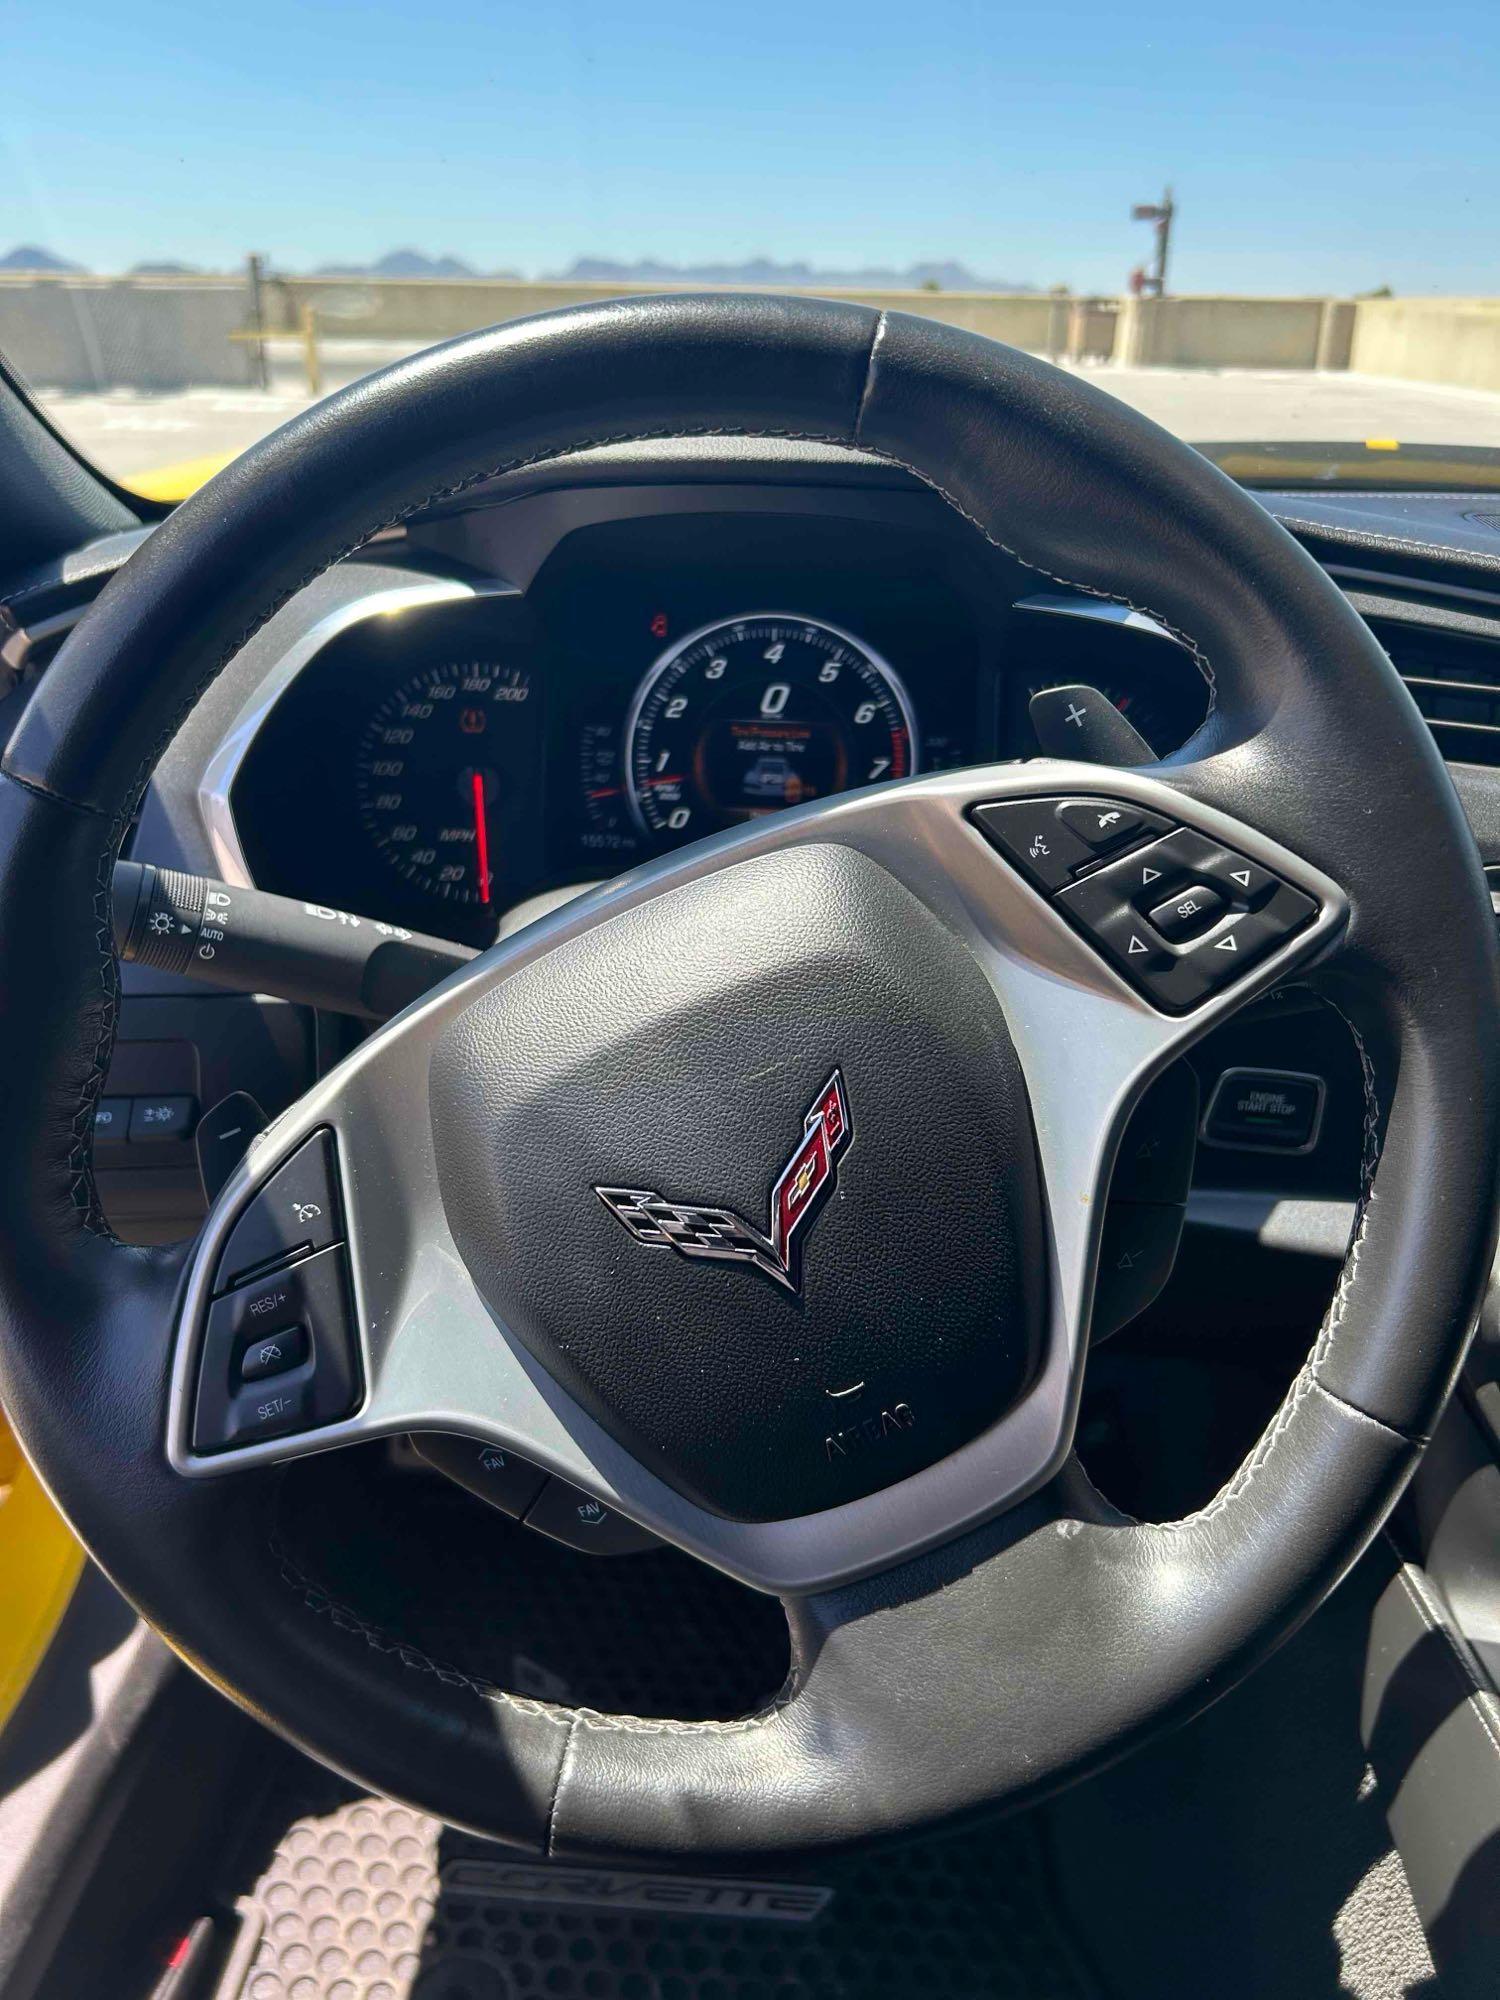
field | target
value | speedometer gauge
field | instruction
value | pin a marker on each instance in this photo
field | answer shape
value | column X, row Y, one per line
column 752, row 714
column 444, row 763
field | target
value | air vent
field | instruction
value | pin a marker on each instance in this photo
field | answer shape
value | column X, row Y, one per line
column 1455, row 681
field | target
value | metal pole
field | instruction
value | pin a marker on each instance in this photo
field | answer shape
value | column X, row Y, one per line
column 1163, row 242
column 310, row 357
column 255, row 267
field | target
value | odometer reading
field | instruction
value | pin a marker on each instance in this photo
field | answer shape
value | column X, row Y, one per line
column 758, row 713
column 440, row 762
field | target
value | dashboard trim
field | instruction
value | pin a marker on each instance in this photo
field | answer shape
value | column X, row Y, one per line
column 216, row 786
column 1102, row 610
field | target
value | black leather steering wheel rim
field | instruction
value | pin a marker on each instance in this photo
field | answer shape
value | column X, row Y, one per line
column 1023, row 1654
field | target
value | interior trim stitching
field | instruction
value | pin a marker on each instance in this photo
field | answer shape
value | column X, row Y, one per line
column 1369, row 1160
column 40, row 791
column 557, row 1788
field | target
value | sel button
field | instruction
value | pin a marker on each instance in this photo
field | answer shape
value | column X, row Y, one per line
column 1186, row 914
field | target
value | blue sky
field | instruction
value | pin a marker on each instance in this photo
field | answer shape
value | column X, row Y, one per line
column 1326, row 146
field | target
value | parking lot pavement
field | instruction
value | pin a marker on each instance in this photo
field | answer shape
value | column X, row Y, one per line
column 137, row 435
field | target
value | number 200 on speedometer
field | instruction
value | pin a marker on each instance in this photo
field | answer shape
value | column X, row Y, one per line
column 753, row 714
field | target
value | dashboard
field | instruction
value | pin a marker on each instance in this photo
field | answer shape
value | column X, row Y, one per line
column 655, row 679
column 581, row 666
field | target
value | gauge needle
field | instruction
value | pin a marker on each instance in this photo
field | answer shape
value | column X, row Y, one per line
column 481, row 838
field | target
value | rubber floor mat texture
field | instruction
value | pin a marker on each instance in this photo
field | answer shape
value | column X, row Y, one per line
column 365, row 1900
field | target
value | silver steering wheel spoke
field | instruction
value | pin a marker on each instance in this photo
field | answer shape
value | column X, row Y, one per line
column 1047, row 874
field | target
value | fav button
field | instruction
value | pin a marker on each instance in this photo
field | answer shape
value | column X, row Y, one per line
column 493, row 1473
column 570, row 1515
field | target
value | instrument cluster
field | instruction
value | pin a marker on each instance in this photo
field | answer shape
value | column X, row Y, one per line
column 661, row 678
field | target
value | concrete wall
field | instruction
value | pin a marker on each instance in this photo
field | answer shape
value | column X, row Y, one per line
column 140, row 333
column 75, row 333
column 436, row 308
column 1220, row 332
column 1429, row 340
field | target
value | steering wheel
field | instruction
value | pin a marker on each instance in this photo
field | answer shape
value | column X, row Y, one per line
column 760, row 1192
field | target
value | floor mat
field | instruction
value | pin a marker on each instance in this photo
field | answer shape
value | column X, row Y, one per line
column 358, row 1899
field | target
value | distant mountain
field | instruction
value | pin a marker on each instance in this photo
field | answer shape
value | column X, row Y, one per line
column 407, row 264
column 165, row 269
column 30, row 257
column 765, row 271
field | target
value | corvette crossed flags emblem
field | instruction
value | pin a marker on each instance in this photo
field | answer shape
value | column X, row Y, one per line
column 803, row 1185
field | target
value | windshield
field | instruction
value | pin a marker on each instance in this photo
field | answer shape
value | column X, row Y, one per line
column 1271, row 229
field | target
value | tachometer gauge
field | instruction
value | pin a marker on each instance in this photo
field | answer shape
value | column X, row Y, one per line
column 443, row 763
column 752, row 714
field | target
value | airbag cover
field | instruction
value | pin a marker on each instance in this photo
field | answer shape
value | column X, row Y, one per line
column 681, row 1050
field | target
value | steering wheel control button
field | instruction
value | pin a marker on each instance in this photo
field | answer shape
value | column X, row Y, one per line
column 1155, row 1160
column 240, row 1402
column 1137, row 1250
column 1184, row 917
column 274, row 1355
column 295, row 1212
column 1189, row 913
column 1106, row 824
column 1029, row 833
column 495, row 1475
column 1242, row 881
column 156, row 1119
column 1265, row 1111
column 570, row 1515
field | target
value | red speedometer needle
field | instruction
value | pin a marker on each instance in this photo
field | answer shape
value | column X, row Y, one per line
column 481, row 838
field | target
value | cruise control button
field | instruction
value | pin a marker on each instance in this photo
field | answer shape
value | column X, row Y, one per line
column 1029, row 833
column 568, row 1514
column 296, row 1210
column 1136, row 1254
column 317, row 1389
column 1106, row 824
column 1188, row 913
column 495, row 1475
column 274, row 1355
